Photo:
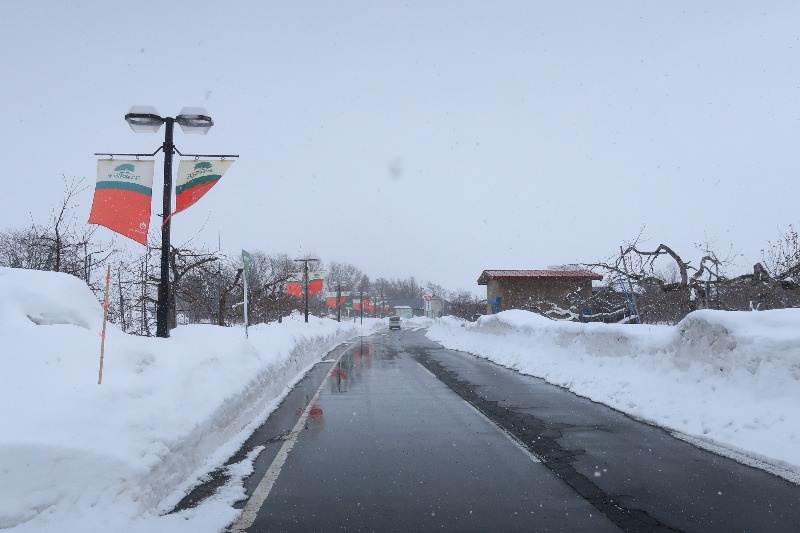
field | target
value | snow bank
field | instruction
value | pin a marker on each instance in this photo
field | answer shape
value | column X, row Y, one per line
column 727, row 380
column 78, row 456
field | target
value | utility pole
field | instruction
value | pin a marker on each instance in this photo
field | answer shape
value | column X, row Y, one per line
column 305, row 281
column 339, row 302
column 281, row 288
column 361, row 296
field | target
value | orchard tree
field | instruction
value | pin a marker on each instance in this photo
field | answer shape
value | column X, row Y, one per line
column 782, row 257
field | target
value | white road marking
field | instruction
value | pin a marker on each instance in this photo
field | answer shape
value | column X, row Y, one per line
column 431, row 374
column 532, row 456
column 263, row 489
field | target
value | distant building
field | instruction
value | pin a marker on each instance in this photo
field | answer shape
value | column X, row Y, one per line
column 403, row 311
column 434, row 306
column 524, row 289
column 416, row 305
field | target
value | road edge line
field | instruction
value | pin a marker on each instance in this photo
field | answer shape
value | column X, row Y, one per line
column 260, row 494
column 514, row 440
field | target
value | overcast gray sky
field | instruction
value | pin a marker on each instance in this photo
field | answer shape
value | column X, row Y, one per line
column 434, row 139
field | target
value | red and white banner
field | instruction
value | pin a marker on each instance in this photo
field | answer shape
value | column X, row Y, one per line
column 316, row 280
column 294, row 285
column 195, row 179
column 122, row 197
column 331, row 298
column 365, row 302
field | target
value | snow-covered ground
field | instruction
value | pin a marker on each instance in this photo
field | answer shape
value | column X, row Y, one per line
column 727, row 381
column 78, row 456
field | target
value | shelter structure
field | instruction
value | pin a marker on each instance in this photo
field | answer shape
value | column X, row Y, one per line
column 403, row 311
column 415, row 305
column 527, row 289
column 434, row 306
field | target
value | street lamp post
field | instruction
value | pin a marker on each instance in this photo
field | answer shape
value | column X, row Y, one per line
column 339, row 302
column 192, row 120
column 305, row 282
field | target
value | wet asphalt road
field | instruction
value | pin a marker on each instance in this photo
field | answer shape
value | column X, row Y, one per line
column 399, row 439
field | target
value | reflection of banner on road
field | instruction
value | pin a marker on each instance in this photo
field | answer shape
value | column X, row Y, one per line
column 122, row 197
column 195, row 179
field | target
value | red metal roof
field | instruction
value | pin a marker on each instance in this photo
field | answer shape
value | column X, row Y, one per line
column 536, row 274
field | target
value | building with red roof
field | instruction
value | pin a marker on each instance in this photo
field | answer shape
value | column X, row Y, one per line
column 527, row 289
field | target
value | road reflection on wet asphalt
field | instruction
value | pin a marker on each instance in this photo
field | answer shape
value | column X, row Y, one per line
column 388, row 447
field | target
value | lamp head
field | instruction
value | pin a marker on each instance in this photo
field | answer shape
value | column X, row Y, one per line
column 194, row 120
column 144, row 119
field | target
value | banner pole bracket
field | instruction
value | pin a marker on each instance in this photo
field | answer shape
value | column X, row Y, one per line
column 137, row 156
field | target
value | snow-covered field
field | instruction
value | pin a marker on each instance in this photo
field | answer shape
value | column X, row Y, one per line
column 78, row 456
column 728, row 381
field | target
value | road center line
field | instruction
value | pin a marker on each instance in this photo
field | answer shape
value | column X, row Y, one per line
column 264, row 487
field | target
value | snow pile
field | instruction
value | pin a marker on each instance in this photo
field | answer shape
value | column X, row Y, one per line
column 78, row 456
column 726, row 380
column 418, row 322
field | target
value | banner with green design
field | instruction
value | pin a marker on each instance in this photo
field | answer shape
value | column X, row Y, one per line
column 122, row 197
column 195, row 179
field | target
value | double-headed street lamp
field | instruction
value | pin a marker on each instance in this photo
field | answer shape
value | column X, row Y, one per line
column 192, row 120
column 305, row 281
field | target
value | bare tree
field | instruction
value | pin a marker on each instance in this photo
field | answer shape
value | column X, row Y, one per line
column 659, row 297
column 182, row 261
column 21, row 248
column 268, row 276
column 464, row 304
column 62, row 245
column 782, row 257
column 344, row 274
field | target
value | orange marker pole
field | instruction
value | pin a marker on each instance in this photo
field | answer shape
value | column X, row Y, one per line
column 103, row 334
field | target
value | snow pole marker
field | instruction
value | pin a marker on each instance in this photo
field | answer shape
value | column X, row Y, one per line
column 105, row 320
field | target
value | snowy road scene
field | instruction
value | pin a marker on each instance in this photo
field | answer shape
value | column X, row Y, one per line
column 402, row 451
column 514, row 422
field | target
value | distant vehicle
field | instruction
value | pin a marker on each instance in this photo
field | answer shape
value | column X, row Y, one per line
column 394, row 322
